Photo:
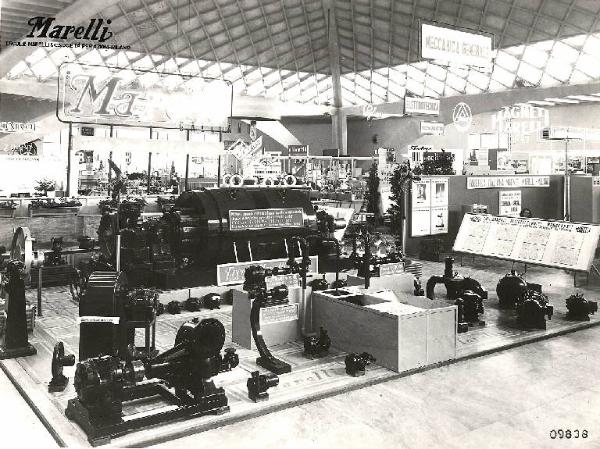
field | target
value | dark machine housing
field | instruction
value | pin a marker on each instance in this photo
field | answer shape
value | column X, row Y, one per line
column 199, row 228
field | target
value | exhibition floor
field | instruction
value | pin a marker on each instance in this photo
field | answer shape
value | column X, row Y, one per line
column 509, row 399
column 313, row 380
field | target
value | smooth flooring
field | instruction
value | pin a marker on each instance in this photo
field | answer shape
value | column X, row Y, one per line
column 508, row 400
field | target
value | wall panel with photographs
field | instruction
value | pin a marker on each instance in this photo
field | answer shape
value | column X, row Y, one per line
column 429, row 206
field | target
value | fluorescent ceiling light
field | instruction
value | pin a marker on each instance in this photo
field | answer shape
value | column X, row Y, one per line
column 584, row 97
column 562, row 100
column 541, row 103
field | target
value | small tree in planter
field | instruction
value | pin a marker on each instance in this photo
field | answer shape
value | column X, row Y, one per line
column 373, row 194
column 45, row 185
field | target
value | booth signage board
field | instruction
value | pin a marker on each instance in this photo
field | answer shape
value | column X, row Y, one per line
column 388, row 269
column 298, row 150
column 432, row 128
column 17, row 127
column 509, row 203
column 233, row 273
column 425, row 106
column 455, row 47
column 257, row 219
column 429, row 206
column 289, row 280
column 493, row 182
column 558, row 244
column 126, row 97
column 278, row 314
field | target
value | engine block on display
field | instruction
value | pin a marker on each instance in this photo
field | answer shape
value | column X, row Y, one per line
column 181, row 376
column 532, row 310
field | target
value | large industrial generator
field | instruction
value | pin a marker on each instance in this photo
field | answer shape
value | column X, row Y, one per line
column 205, row 228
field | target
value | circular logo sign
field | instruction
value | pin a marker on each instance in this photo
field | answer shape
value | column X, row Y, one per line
column 462, row 116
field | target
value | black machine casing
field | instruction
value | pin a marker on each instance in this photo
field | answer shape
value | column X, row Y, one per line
column 199, row 224
column 103, row 298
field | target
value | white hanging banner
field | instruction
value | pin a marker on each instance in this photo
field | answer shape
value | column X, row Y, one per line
column 455, row 47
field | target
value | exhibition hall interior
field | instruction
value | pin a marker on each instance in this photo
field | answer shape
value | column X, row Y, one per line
column 300, row 223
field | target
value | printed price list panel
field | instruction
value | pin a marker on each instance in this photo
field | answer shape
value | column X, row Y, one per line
column 556, row 244
column 256, row 219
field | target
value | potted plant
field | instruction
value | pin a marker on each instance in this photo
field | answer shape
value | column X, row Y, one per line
column 7, row 209
column 46, row 186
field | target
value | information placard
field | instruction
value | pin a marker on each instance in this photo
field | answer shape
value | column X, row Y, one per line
column 388, row 269
column 256, row 219
column 557, row 244
column 509, row 203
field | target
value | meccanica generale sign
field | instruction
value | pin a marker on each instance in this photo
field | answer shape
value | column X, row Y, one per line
column 455, row 47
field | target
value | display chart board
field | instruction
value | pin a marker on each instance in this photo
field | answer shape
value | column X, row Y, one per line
column 429, row 201
column 255, row 219
column 509, row 203
column 557, row 244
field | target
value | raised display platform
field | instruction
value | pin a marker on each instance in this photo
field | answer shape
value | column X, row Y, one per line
column 309, row 380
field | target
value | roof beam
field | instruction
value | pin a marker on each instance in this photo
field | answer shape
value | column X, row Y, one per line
column 78, row 12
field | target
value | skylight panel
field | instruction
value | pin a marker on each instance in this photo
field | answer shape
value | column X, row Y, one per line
column 559, row 69
column 535, row 57
column 564, row 53
column 414, row 86
column 589, row 65
column 44, row 68
column 529, row 73
column 507, row 61
column 36, row 56
column 503, row 76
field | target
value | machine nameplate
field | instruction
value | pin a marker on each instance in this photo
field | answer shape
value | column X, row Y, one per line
column 278, row 314
column 98, row 319
column 256, row 219
column 389, row 269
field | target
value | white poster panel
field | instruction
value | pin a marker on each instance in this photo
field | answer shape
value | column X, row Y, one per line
column 509, row 203
column 421, row 193
column 558, row 244
column 439, row 220
column 439, row 192
column 455, row 47
column 420, row 222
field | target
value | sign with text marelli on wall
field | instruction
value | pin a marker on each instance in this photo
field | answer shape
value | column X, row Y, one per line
column 127, row 97
column 455, row 47
column 557, row 244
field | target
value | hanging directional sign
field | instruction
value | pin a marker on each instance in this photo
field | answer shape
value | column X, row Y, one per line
column 425, row 106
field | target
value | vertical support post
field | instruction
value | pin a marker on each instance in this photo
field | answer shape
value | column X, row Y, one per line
column 39, row 292
column 69, row 148
column 567, row 185
column 187, row 172
column 118, row 253
column 219, row 172
column 149, row 172
column 110, row 155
